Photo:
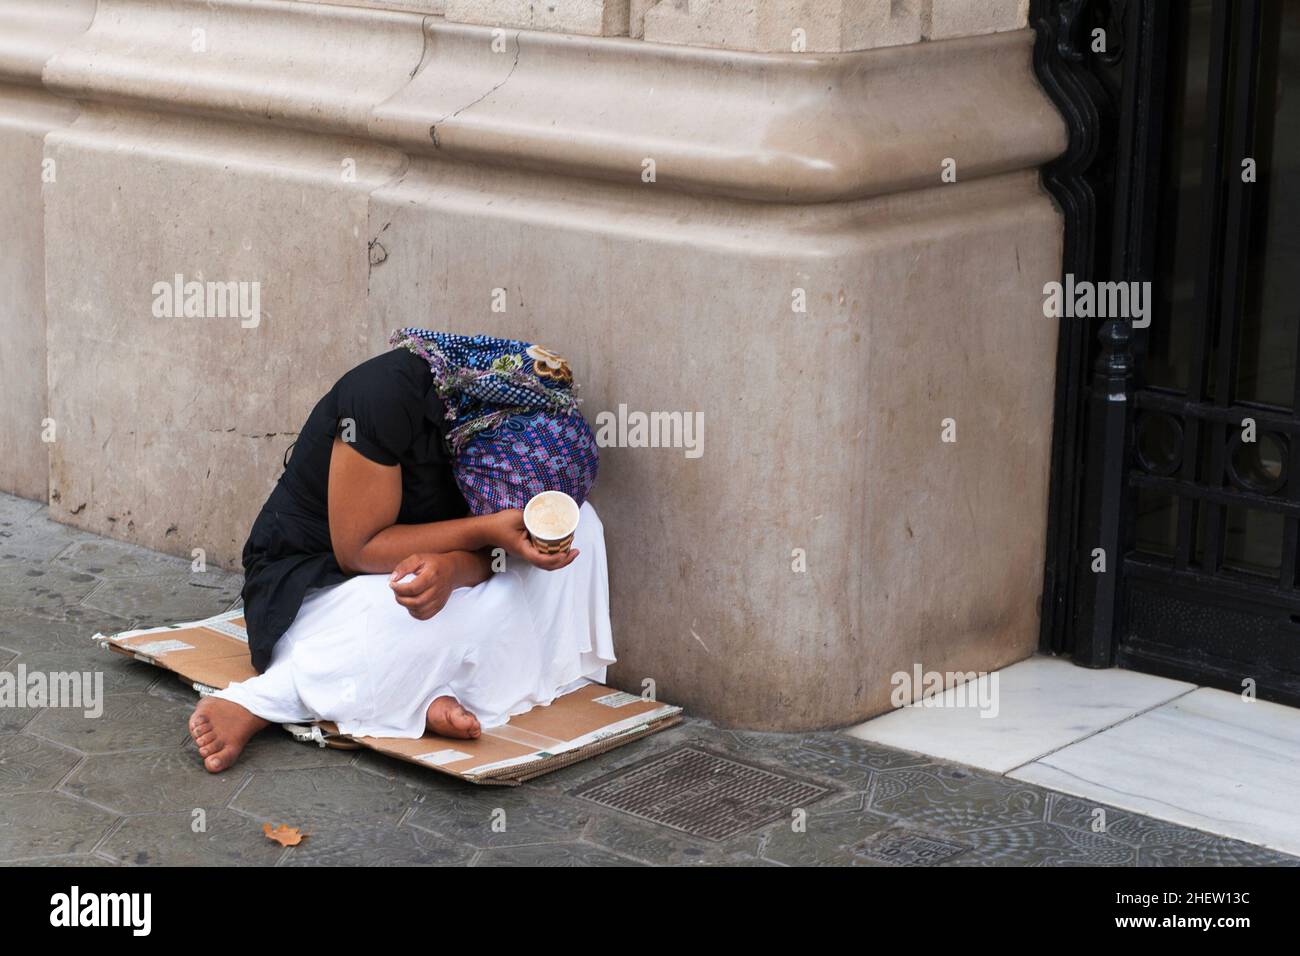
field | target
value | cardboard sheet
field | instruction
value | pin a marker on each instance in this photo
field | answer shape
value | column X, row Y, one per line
column 212, row 653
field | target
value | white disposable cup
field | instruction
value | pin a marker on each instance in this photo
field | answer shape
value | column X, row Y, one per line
column 550, row 544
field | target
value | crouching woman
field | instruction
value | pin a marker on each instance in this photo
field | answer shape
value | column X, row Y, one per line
column 390, row 584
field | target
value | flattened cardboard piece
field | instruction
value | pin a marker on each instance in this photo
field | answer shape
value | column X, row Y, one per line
column 213, row 653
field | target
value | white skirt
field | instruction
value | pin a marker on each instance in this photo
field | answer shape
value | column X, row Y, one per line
column 520, row 639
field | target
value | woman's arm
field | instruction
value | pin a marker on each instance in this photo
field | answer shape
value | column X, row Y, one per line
column 364, row 500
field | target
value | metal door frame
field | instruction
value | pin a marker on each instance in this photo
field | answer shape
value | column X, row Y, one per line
column 1108, row 186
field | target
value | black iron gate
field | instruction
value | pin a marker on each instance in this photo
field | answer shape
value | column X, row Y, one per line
column 1174, row 528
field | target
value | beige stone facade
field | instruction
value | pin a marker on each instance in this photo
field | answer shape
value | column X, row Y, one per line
column 772, row 26
column 828, row 256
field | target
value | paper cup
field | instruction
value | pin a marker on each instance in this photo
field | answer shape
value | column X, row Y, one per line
column 551, row 519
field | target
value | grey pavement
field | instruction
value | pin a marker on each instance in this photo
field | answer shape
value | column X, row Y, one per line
column 127, row 788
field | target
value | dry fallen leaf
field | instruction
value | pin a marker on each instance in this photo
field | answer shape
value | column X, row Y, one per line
column 283, row 835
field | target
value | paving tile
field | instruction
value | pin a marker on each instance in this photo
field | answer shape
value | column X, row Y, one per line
column 27, row 632
column 155, row 600
column 84, row 622
column 83, row 666
column 501, row 816
column 1207, row 760
column 788, row 753
column 746, row 862
column 552, row 855
column 171, row 686
column 1206, row 849
column 1092, row 816
column 419, row 778
column 152, row 781
column 29, row 763
column 106, row 558
column 953, row 799
column 216, row 837
column 816, row 766
column 75, row 861
column 14, row 719
column 307, row 797
column 274, row 749
column 116, row 672
column 130, row 721
column 827, row 836
column 15, row 511
column 1159, row 842
column 862, row 753
column 46, row 591
column 1041, row 845
column 1040, row 705
column 904, row 846
column 647, row 843
column 49, row 824
column 35, row 540
column 362, row 842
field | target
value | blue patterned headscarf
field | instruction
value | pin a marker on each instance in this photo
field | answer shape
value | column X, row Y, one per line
column 516, row 429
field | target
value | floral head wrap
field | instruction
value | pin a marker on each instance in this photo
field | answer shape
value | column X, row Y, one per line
column 515, row 425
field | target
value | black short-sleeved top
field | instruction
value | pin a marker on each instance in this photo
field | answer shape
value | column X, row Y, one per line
column 389, row 411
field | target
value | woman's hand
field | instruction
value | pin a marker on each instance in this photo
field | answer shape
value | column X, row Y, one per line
column 508, row 532
column 426, row 593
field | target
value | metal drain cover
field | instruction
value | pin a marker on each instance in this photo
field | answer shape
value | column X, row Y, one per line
column 908, row 849
column 701, row 793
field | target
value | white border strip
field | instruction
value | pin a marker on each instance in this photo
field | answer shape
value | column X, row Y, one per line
column 209, row 622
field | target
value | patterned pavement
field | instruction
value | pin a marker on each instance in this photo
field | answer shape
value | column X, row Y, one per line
column 127, row 787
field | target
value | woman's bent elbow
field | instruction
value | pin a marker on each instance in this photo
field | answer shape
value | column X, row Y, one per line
column 349, row 559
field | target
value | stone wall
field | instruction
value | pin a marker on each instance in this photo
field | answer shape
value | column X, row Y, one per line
column 772, row 26
column 768, row 241
column 30, row 32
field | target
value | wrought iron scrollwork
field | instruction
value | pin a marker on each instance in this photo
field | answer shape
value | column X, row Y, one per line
column 1086, row 87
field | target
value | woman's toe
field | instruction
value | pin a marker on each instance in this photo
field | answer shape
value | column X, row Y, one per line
column 218, row 761
column 465, row 722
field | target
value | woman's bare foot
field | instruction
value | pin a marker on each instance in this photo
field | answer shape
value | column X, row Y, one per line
column 447, row 718
column 221, row 728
